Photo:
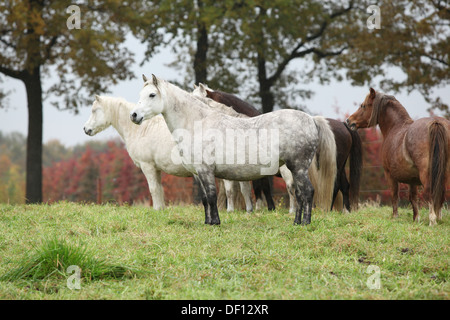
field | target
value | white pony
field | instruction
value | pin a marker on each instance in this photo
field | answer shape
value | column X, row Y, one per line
column 150, row 146
column 294, row 139
column 200, row 93
column 323, row 193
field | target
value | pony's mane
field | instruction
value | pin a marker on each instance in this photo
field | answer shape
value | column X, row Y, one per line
column 379, row 103
column 236, row 103
column 203, row 102
column 219, row 107
column 109, row 101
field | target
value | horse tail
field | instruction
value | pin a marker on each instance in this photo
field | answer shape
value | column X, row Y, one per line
column 324, row 163
column 355, row 168
column 437, row 163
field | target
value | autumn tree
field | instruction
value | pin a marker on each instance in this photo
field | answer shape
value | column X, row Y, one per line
column 413, row 37
column 81, row 46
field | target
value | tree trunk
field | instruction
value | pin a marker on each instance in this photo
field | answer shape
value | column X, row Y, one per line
column 266, row 95
column 34, row 141
column 200, row 76
column 201, row 53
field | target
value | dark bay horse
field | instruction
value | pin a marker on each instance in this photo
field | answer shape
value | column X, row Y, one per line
column 263, row 185
column 413, row 152
column 348, row 144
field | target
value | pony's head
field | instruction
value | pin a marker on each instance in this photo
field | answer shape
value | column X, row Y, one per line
column 365, row 116
column 201, row 90
column 150, row 101
column 98, row 120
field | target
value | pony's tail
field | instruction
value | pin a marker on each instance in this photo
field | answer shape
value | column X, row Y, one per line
column 437, row 163
column 355, row 168
column 324, row 163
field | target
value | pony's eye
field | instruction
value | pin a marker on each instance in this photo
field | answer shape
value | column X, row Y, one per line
column 152, row 95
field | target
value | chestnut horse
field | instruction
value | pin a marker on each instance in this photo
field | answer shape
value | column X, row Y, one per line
column 348, row 144
column 413, row 152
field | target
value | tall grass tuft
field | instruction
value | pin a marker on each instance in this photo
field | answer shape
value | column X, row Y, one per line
column 53, row 258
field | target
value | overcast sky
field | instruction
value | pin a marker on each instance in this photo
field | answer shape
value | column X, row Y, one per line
column 68, row 128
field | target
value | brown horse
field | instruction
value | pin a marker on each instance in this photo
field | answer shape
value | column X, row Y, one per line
column 348, row 145
column 413, row 152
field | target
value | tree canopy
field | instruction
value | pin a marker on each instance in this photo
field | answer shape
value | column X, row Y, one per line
column 247, row 47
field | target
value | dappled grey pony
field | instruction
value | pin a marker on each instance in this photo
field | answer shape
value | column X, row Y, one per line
column 150, row 146
column 208, row 140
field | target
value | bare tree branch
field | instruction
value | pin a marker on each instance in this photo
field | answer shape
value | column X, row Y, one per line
column 12, row 73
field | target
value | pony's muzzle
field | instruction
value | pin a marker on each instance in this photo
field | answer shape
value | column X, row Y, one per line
column 135, row 118
column 88, row 131
column 352, row 126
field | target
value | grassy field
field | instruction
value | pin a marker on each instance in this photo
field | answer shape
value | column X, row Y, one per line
column 137, row 253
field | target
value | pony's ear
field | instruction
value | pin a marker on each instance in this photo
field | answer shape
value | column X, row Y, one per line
column 372, row 93
column 144, row 78
column 202, row 88
column 97, row 98
column 195, row 86
column 155, row 80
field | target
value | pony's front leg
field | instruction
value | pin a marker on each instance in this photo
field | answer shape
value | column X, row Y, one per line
column 393, row 184
column 153, row 177
column 413, row 200
column 208, row 184
column 204, row 200
column 246, row 190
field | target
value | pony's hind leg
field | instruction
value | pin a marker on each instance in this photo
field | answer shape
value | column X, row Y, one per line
column 289, row 180
column 393, row 184
column 304, row 192
column 208, row 183
column 229, row 185
column 257, row 189
column 267, row 189
column 246, row 190
column 345, row 189
column 432, row 215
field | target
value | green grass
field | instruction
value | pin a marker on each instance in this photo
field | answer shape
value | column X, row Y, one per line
column 137, row 253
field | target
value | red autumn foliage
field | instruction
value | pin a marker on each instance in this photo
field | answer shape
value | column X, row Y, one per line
column 121, row 181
